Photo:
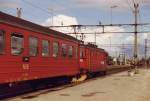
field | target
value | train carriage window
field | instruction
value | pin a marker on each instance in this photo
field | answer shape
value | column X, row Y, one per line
column 76, row 52
column 45, row 47
column 64, row 50
column 17, row 43
column 70, row 51
column 81, row 53
column 33, row 46
column 2, row 42
column 55, row 49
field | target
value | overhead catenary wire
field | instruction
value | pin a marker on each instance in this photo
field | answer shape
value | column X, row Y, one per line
column 35, row 6
column 102, row 31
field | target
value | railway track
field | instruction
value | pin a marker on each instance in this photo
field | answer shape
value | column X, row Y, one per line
column 25, row 91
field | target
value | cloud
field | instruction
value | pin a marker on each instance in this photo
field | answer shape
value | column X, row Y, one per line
column 68, row 20
column 59, row 20
column 103, row 40
column 115, row 40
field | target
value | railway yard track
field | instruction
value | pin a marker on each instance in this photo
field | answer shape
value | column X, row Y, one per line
column 25, row 91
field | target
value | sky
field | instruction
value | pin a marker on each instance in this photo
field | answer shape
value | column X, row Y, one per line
column 73, row 12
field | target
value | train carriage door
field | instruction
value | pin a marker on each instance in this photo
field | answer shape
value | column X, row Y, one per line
column 2, row 42
column 82, row 59
column 33, row 52
column 89, row 58
column 17, row 52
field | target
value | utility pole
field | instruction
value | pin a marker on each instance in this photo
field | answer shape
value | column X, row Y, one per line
column 19, row 12
column 110, row 43
column 123, row 52
column 135, row 36
column 145, row 52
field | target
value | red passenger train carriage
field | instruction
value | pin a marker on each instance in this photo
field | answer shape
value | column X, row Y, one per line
column 31, row 52
column 92, row 59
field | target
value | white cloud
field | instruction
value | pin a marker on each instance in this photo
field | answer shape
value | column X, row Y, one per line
column 103, row 40
column 60, row 20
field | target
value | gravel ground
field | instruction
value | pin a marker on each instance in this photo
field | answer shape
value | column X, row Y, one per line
column 116, row 87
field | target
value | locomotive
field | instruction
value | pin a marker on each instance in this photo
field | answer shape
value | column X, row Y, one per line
column 30, row 52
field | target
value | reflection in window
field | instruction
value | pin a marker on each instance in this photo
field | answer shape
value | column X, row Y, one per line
column 33, row 46
column 16, row 44
column 64, row 50
column 55, row 49
column 70, row 51
column 45, row 48
column 2, row 42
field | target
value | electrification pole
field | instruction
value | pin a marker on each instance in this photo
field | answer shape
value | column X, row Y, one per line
column 135, row 35
column 145, row 52
column 110, row 43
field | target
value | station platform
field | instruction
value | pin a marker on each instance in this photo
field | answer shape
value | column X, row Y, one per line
column 115, row 87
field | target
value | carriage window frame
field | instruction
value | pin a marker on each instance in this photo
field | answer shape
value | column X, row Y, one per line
column 31, row 52
column 64, row 49
column 81, row 52
column 70, row 51
column 55, row 49
column 45, row 48
column 76, row 52
column 2, row 50
column 18, row 47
